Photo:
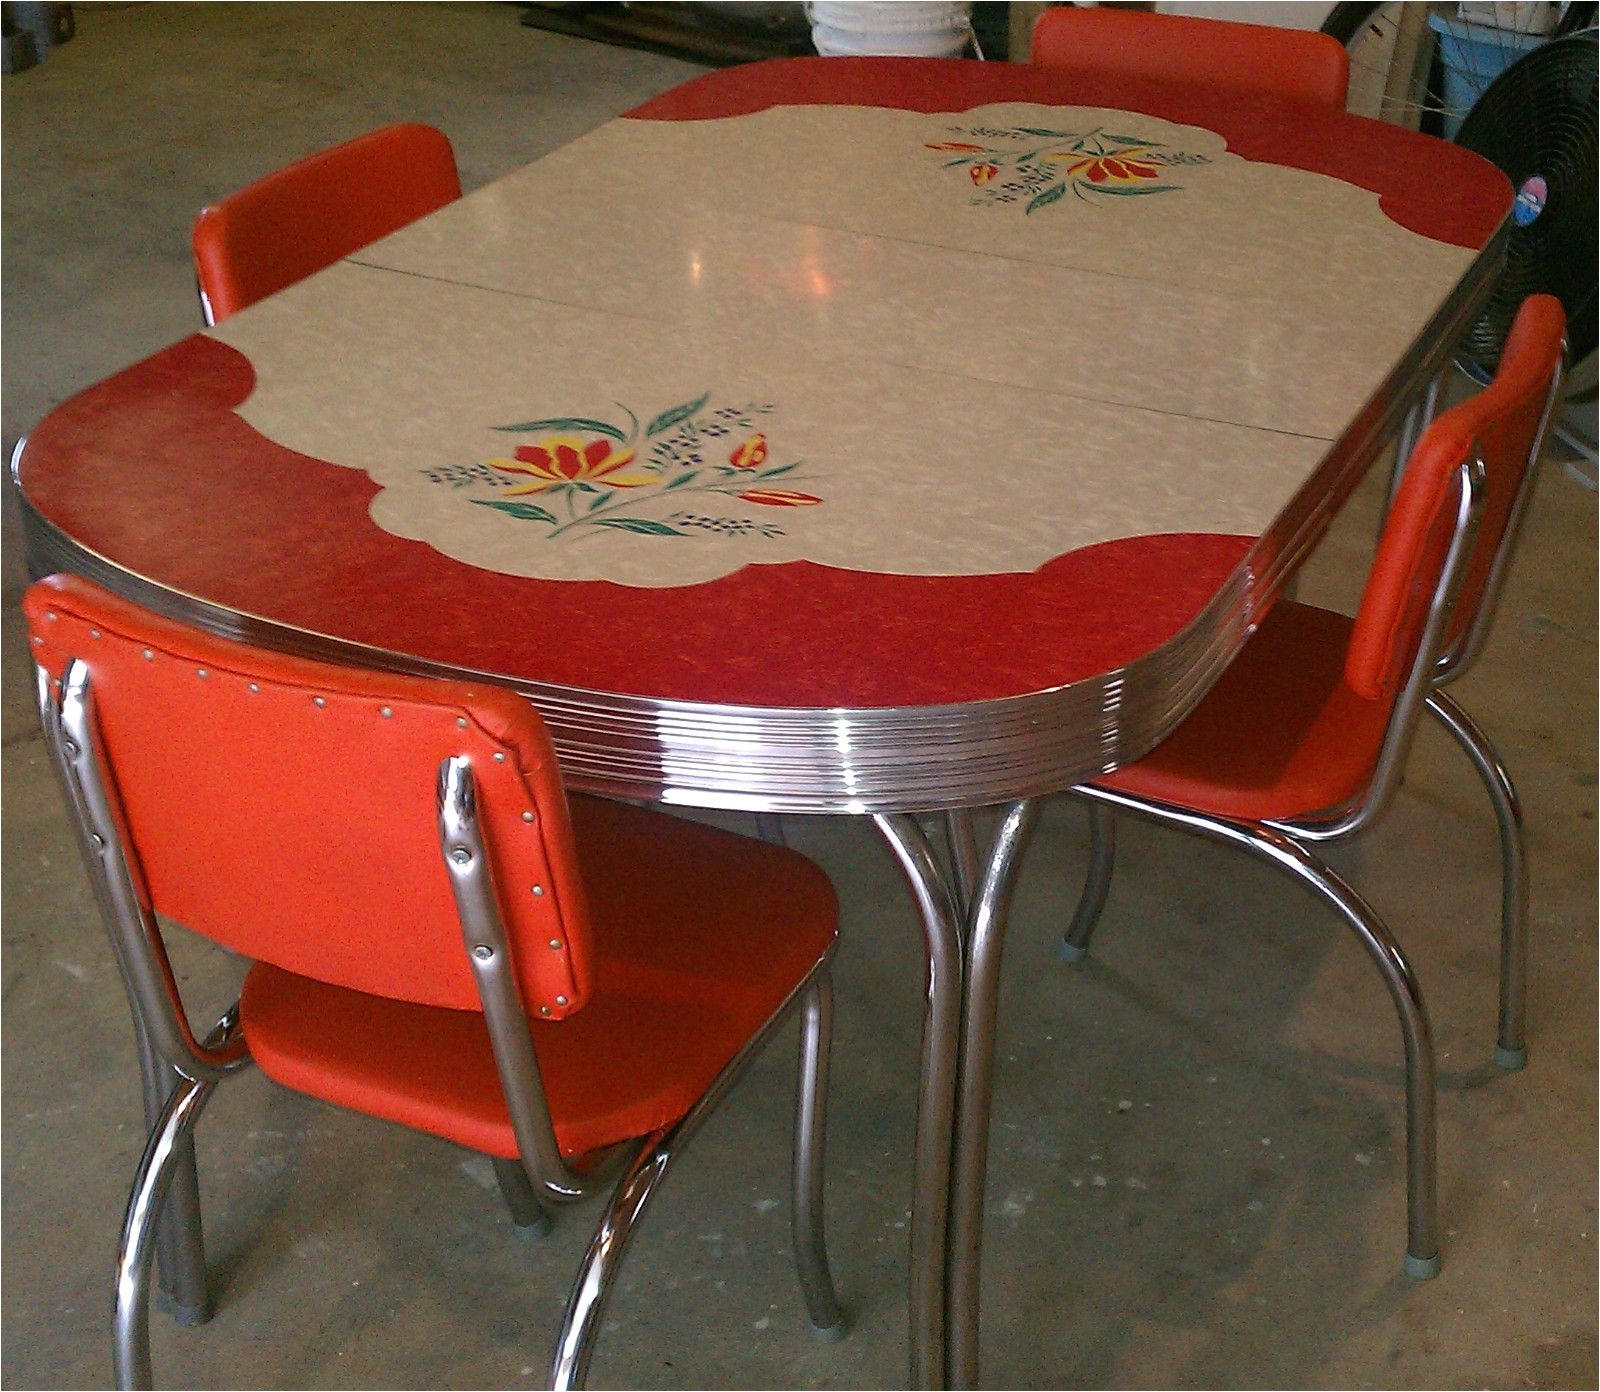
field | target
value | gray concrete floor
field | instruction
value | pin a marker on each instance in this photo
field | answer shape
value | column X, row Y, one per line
column 1196, row 1178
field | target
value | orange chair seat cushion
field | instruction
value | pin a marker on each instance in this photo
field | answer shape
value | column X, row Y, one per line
column 700, row 937
column 1280, row 737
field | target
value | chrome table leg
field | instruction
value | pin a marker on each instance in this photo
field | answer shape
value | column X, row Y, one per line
column 936, row 1103
column 963, row 839
column 1418, row 418
column 963, row 920
column 985, row 939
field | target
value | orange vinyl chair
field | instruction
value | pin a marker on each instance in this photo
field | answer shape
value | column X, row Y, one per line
column 436, row 936
column 1102, row 42
column 308, row 215
column 1304, row 738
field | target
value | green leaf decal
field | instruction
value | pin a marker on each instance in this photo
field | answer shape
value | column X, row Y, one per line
column 1143, row 188
column 642, row 525
column 564, row 423
column 676, row 416
column 1045, row 199
column 1046, row 134
column 527, row 511
column 778, row 469
column 681, row 480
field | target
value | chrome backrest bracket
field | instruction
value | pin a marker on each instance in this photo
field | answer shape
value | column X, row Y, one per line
column 206, row 312
column 1452, row 663
column 73, row 739
column 488, row 950
column 1419, row 679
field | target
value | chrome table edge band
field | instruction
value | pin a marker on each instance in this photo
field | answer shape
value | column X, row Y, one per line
column 877, row 759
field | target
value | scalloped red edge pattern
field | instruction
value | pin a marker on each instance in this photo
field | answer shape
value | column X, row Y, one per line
column 1425, row 185
column 153, row 470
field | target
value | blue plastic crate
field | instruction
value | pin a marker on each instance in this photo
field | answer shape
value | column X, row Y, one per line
column 1471, row 56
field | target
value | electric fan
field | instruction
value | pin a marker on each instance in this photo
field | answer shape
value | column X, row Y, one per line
column 1536, row 121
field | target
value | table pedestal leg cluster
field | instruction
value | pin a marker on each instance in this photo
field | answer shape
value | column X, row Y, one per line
column 963, row 913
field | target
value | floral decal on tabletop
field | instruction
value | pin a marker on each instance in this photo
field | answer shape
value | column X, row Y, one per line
column 1037, row 167
column 584, row 475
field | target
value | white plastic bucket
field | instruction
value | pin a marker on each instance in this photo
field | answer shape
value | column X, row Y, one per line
column 903, row 27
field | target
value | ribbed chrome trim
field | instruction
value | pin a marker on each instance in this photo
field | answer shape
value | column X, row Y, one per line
column 888, row 759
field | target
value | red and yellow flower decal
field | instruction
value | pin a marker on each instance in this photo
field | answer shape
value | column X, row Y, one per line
column 752, row 454
column 1033, row 167
column 778, row 497
column 560, row 459
column 1108, row 168
column 587, row 474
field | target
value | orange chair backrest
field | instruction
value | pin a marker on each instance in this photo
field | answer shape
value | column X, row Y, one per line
column 287, row 808
column 1501, row 426
column 1298, row 63
column 1505, row 419
column 302, row 218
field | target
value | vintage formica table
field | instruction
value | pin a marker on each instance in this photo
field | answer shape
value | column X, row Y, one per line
column 870, row 436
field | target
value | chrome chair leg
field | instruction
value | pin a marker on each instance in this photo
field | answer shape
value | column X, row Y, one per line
column 182, row 1287
column 654, row 1156
column 580, row 1326
column 1422, row 1223
column 530, row 1217
column 1074, row 945
column 1511, row 1051
column 810, row 1138
column 164, row 1155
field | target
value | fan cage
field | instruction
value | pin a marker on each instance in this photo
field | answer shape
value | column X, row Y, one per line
column 1537, row 121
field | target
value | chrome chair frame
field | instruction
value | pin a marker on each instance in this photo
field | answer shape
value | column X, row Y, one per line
column 1510, row 1052
column 1288, row 845
column 184, row 1072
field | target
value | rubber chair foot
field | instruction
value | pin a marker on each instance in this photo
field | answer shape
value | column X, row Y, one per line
column 536, row 1231
column 1070, row 952
column 187, row 1315
column 1422, row 1268
column 829, row 1334
column 1510, row 1060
